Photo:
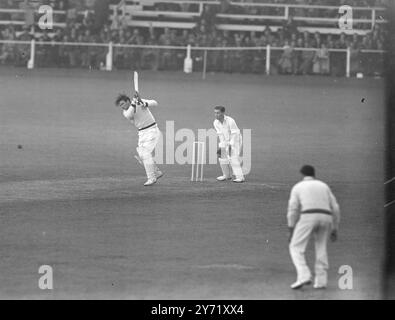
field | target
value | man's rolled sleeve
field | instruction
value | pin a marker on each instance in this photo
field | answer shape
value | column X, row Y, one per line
column 150, row 103
column 233, row 127
column 234, row 132
column 293, row 209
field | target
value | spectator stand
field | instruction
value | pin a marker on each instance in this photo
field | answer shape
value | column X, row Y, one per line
column 24, row 14
column 244, row 16
column 234, row 47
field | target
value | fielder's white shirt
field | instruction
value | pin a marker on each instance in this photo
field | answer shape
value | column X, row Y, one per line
column 141, row 116
column 227, row 131
column 308, row 194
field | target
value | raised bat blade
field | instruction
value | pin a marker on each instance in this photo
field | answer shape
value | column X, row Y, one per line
column 136, row 82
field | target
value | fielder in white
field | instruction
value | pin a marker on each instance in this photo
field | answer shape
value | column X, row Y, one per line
column 312, row 211
column 230, row 142
column 137, row 111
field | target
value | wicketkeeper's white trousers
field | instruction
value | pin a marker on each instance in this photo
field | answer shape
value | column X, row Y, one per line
column 318, row 226
column 148, row 140
column 232, row 159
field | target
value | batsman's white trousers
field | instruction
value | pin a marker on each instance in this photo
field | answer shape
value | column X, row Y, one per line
column 319, row 226
column 148, row 140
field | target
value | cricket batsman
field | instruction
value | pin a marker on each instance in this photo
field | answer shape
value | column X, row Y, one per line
column 138, row 112
column 230, row 142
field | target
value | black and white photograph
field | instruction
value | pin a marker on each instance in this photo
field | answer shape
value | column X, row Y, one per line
column 197, row 150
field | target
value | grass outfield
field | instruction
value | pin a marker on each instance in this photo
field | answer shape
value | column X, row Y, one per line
column 73, row 198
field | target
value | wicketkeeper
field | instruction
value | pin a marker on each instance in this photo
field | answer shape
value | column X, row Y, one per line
column 138, row 112
column 230, row 142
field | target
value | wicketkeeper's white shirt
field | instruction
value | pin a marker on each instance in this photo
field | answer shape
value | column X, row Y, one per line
column 141, row 116
column 227, row 131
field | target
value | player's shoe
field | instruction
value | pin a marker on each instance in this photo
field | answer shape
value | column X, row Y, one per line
column 223, row 178
column 239, row 180
column 299, row 284
column 158, row 174
column 319, row 286
column 150, row 182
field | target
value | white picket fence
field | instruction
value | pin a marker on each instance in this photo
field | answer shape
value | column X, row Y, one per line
column 188, row 49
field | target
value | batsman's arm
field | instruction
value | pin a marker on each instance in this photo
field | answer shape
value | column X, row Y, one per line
column 129, row 114
column 149, row 103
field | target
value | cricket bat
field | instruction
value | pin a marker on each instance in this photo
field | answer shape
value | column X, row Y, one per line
column 136, row 82
column 136, row 87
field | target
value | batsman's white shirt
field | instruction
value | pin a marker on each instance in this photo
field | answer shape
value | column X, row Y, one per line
column 141, row 117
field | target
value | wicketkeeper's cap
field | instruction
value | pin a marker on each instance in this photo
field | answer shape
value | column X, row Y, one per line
column 308, row 170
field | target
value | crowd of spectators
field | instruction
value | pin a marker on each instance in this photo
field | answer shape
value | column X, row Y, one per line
column 228, row 6
column 82, row 28
column 362, row 3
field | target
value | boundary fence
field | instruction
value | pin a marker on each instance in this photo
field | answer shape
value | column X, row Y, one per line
column 188, row 51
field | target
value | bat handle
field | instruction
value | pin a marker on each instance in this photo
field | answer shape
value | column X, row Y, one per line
column 137, row 96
